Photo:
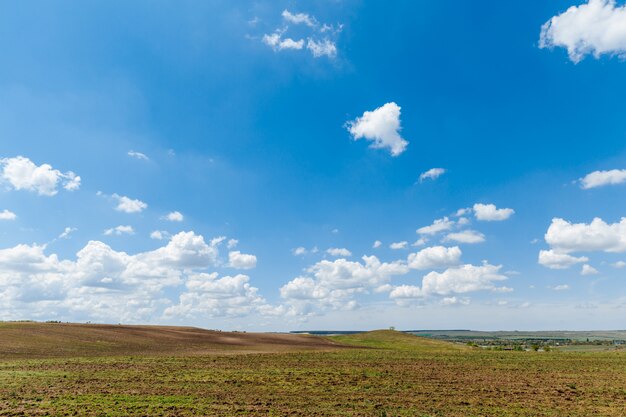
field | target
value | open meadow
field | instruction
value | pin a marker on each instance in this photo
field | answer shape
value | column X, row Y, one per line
column 381, row 373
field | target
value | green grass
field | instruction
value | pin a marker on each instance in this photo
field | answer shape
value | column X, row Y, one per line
column 395, row 375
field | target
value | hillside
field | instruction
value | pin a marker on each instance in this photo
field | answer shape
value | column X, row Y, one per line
column 391, row 339
column 41, row 340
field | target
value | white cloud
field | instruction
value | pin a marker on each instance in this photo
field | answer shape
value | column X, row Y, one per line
column 129, row 205
column 566, row 237
column 455, row 280
column 107, row 285
column 338, row 252
column 299, row 18
column 239, row 260
column 377, row 244
column 276, row 41
column 333, row 284
column 601, row 178
column 299, row 251
column 435, row 257
column 232, row 243
column 562, row 287
column 399, row 245
column 159, row 234
column 554, row 260
column 588, row 270
column 463, row 279
column 174, row 216
column 21, row 173
column 618, row 264
column 323, row 47
column 7, row 215
column 120, row 230
column 67, row 232
column 382, row 127
column 489, row 212
column 420, row 242
column 450, row 301
column 466, row 236
column 439, row 225
column 138, row 155
column 432, row 174
column 597, row 27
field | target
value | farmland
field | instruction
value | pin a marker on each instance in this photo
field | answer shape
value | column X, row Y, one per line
column 126, row 371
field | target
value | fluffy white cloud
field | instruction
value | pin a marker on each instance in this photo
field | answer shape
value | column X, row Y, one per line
column 120, row 230
column 7, row 215
column 382, row 127
column 600, row 178
column 112, row 286
column 298, row 18
column 338, row 252
column 489, row 212
column 377, row 244
column 435, row 257
column 232, row 243
column 565, row 237
column 138, row 155
column 562, row 287
column 21, row 173
column 174, row 216
column 455, row 280
column 463, row 279
column 159, row 234
column 333, row 284
column 324, row 47
column 299, row 251
column 439, row 225
column 276, row 41
column 466, row 236
column 618, row 264
column 129, row 205
column 399, row 245
column 556, row 260
column 588, row 270
column 597, row 27
column 432, row 174
column 239, row 260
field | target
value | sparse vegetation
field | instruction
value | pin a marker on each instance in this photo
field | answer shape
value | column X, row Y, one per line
column 384, row 373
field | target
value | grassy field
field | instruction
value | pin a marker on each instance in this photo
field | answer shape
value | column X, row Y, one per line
column 383, row 373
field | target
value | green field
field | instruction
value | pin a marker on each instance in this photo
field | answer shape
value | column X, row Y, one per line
column 382, row 373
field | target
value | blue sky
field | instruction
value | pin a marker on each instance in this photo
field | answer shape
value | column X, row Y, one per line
column 271, row 144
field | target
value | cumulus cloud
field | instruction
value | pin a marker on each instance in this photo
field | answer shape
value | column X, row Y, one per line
column 337, row 252
column 597, row 27
column 566, row 237
column 432, row 174
column 456, row 280
column 334, row 284
column 465, row 236
column 601, row 178
column 232, row 243
column 174, row 216
column 120, row 230
column 618, row 264
column 159, row 234
column 239, row 260
column 129, row 205
column 7, row 215
column 380, row 126
column 112, row 286
column 377, row 244
column 556, row 260
column 138, row 155
column 21, row 173
column 588, row 270
column 439, row 225
column 299, row 251
column 435, row 257
column 489, row 212
column 399, row 245
column 562, row 287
